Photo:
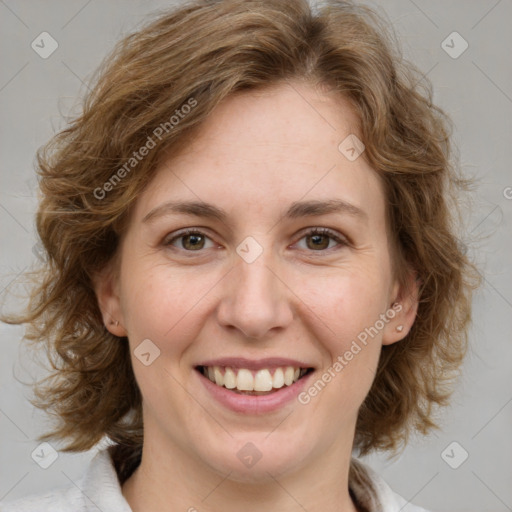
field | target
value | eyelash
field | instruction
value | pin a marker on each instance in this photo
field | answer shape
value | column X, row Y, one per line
column 311, row 232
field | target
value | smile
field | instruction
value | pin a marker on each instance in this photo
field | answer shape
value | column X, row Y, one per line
column 253, row 382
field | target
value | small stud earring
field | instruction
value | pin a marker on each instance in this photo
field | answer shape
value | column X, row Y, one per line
column 399, row 328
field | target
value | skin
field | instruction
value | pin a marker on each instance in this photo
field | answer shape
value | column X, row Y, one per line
column 257, row 154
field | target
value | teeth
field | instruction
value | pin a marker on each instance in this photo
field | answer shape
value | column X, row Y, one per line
column 229, row 379
column 288, row 375
column 263, row 380
column 219, row 378
column 278, row 379
column 244, row 380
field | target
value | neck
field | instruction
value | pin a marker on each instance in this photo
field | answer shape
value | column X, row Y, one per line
column 172, row 479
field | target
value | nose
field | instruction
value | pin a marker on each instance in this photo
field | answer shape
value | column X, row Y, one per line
column 255, row 299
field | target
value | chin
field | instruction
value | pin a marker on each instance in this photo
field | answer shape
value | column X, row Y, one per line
column 257, row 462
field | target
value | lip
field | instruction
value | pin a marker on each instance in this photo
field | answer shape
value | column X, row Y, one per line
column 255, row 364
column 254, row 404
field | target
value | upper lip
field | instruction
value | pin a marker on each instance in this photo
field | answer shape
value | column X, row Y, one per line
column 255, row 364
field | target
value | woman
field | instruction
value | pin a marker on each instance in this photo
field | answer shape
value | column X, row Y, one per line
column 251, row 265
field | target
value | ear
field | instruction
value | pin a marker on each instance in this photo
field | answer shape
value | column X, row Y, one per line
column 106, row 287
column 405, row 307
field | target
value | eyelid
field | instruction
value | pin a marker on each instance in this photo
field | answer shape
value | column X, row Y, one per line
column 332, row 233
column 340, row 239
column 175, row 235
column 314, row 230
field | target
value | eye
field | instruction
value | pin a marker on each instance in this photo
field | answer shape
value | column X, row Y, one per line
column 320, row 238
column 194, row 240
column 191, row 240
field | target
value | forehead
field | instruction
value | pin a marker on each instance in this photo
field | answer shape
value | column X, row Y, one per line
column 269, row 147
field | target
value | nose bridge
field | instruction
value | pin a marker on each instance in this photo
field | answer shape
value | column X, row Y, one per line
column 255, row 300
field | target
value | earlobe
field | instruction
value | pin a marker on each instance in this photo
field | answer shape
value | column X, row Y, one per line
column 106, row 289
column 405, row 308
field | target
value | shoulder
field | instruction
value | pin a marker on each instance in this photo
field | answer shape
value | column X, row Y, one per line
column 373, row 493
column 98, row 489
column 59, row 500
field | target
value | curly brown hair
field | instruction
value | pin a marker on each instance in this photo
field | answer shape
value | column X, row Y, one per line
column 197, row 55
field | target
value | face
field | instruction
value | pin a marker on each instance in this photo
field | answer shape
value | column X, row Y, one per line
column 252, row 289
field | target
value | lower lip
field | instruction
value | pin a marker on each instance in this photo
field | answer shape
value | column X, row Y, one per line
column 254, row 404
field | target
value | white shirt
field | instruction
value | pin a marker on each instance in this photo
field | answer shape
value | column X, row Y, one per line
column 100, row 490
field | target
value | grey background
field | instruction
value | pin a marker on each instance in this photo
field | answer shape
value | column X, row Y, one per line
column 475, row 89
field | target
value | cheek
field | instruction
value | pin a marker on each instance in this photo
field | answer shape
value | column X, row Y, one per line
column 344, row 322
column 347, row 303
column 162, row 304
column 347, row 318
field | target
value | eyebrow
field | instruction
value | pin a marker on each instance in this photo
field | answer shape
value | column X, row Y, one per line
column 296, row 210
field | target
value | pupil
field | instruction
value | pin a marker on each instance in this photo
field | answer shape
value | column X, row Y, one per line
column 316, row 237
column 194, row 239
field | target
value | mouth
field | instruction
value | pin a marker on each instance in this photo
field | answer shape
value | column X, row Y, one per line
column 245, row 381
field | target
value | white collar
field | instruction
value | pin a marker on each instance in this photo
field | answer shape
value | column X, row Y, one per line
column 102, row 490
